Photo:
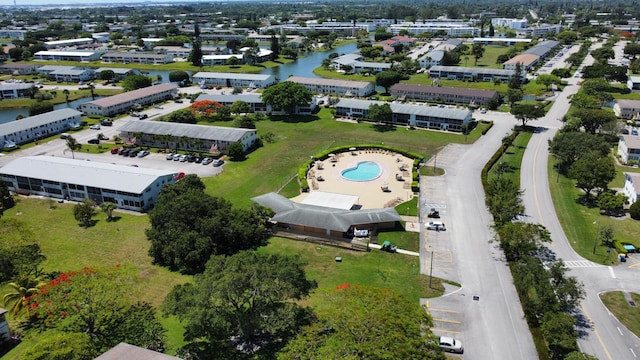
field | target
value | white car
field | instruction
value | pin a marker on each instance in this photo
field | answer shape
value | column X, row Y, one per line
column 94, row 127
column 451, row 345
column 435, row 225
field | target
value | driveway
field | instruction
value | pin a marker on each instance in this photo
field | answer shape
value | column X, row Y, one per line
column 485, row 313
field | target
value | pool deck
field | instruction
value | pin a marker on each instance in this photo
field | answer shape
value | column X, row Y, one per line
column 370, row 193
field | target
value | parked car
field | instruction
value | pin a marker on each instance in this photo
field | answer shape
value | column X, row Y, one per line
column 106, row 123
column 176, row 157
column 435, row 225
column 133, row 153
column 169, row 156
column 143, row 116
column 177, row 101
column 124, row 152
column 94, row 127
column 191, row 158
column 197, row 160
column 218, row 162
column 183, row 158
column 451, row 345
column 64, row 136
column 207, row 161
column 143, row 153
column 94, row 141
column 116, row 150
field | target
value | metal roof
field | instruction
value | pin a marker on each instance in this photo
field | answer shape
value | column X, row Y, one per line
column 631, row 141
column 627, row 103
column 132, row 95
column 217, row 75
column 250, row 98
column 472, row 70
column 331, row 200
column 435, row 55
column 12, row 127
column 434, row 111
column 526, row 59
column 193, row 131
column 14, row 86
column 55, row 67
column 65, row 53
column 443, row 90
column 329, row 82
column 82, row 172
column 320, row 217
column 70, row 41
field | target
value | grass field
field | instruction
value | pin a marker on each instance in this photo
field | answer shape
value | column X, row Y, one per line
column 274, row 165
column 513, row 156
column 398, row 272
column 629, row 316
column 580, row 223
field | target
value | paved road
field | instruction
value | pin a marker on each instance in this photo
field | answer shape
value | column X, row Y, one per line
column 601, row 334
column 491, row 326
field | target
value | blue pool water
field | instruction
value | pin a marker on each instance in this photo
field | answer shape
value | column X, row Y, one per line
column 364, row 171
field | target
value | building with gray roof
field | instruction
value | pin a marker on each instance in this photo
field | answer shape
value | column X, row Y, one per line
column 471, row 73
column 189, row 137
column 258, row 81
column 131, row 188
column 19, row 68
column 60, row 55
column 124, row 102
column 629, row 148
column 136, row 58
column 15, row 90
column 253, row 99
column 39, row 126
column 443, row 94
column 335, row 87
column 421, row 116
column 322, row 220
column 542, row 49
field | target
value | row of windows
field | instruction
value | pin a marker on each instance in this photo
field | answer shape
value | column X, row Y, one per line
column 133, row 203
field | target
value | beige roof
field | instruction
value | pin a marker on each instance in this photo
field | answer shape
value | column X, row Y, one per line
column 319, row 81
column 132, row 95
column 131, row 352
column 632, row 141
column 525, row 59
column 628, row 104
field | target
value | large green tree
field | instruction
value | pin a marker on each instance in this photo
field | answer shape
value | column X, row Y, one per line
column 20, row 254
column 59, row 345
column 593, row 171
column 504, row 200
column 133, row 82
column 547, row 80
column 527, row 112
column 6, row 199
column 380, row 113
column 387, row 79
column 286, row 96
column 593, row 119
column 518, row 239
column 188, row 226
column 360, row 322
column 100, row 303
column 570, row 146
column 250, row 297
column 178, row 76
column 40, row 108
column 477, row 50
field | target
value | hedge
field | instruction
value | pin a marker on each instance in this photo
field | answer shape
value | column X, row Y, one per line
column 323, row 155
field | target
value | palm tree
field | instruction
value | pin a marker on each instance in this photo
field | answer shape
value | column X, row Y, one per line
column 66, row 95
column 72, row 145
column 21, row 290
column 108, row 208
column 92, row 88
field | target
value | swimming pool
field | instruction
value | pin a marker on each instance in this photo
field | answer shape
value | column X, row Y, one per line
column 364, row 171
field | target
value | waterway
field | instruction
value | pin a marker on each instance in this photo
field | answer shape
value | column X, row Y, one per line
column 7, row 115
column 303, row 67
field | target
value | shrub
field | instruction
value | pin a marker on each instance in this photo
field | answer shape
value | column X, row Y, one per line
column 634, row 210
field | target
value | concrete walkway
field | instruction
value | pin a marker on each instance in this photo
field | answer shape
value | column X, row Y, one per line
column 399, row 251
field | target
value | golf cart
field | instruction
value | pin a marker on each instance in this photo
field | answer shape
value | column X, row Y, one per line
column 434, row 214
column 386, row 246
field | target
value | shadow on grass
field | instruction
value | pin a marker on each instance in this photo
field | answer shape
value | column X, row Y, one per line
column 383, row 127
column 294, row 119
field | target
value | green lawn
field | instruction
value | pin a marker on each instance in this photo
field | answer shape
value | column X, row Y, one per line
column 398, row 272
column 629, row 316
column 271, row 167
column 513, row 156
column 488, row 59
column 580, row 223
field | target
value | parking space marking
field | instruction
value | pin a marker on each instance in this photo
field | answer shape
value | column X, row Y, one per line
column 434, row 330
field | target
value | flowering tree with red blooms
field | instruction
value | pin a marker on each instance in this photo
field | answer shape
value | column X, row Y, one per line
column 208, row 108
column 100, row 303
